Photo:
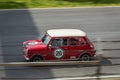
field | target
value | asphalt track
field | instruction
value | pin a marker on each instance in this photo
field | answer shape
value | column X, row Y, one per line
column 101, row 24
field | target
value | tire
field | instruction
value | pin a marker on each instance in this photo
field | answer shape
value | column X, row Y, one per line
column 85, row 57
column 36, row 58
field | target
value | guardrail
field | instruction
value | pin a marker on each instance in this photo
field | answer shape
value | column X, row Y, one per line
column 52, row 63
column 56, row 63
column 49, row 63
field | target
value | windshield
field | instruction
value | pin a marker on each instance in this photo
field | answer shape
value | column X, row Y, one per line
column 46, row 39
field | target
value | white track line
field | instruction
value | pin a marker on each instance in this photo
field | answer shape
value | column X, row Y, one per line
column 87, row 78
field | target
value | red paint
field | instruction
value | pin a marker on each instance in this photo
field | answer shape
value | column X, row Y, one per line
column 64, row 52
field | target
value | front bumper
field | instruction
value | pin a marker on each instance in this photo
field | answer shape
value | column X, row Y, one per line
column 26, row 57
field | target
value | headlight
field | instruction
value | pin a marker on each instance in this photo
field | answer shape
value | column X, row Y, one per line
column 25, row 45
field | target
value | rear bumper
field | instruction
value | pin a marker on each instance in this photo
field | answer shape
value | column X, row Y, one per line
column 93, row 53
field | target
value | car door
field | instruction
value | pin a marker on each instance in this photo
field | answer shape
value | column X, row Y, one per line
column 58, row 49
column 74, row 48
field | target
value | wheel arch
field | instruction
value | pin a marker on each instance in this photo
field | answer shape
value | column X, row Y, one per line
column 37, row 54
column 86, row 52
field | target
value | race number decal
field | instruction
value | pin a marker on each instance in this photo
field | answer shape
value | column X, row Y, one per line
column 58, row 53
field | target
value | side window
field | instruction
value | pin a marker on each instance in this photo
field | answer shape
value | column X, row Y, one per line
column 56, row 42
column 73, row 41
column 64, row 41
column 82, row 42
column 59, row 42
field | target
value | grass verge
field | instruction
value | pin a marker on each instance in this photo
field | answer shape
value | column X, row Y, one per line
column 10, row 4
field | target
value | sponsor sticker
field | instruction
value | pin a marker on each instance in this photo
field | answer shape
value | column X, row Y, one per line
column 58, row 53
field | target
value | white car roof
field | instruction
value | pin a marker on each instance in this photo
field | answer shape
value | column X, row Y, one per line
column 65, row 32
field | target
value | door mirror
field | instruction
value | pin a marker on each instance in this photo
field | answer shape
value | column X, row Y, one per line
column 49, row 45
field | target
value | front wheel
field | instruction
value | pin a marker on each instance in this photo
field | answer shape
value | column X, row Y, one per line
column 36, row 59
column 85, row 57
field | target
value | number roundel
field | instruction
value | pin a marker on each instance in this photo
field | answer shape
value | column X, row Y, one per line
column 58, row 53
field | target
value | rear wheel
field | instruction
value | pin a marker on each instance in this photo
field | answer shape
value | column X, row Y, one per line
column 85, row 57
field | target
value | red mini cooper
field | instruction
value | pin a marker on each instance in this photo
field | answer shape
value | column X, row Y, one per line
column 59, row 44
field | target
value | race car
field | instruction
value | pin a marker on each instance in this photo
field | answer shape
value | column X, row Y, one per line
column 59, row 45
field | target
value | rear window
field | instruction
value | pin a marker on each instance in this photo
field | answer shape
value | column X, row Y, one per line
column 82, row 41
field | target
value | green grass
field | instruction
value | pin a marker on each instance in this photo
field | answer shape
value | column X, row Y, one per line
column 55, row 3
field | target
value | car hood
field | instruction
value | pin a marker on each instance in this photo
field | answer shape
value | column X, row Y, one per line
column 32, row 43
